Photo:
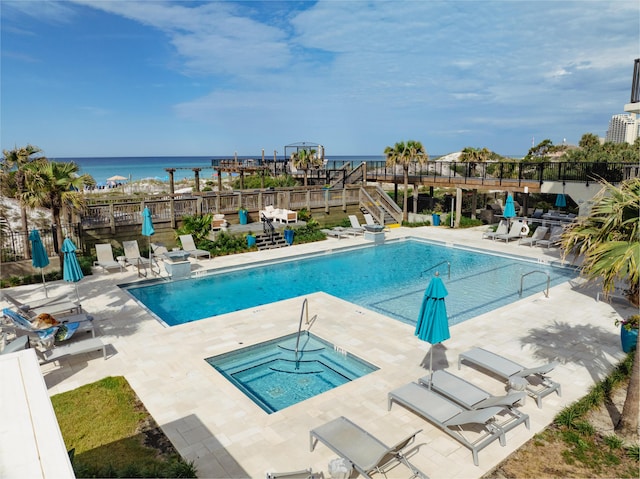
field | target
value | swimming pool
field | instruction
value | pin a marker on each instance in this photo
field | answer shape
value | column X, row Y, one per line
column 274, row 377
column 389, row 278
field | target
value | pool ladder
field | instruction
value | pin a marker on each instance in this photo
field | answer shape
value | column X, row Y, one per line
column 546, row 293
column 305, row 309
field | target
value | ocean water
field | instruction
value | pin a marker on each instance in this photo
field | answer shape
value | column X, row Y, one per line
column 139, row 168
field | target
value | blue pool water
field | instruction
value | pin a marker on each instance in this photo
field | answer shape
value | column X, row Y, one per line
column 270, row 375
column 388, row 278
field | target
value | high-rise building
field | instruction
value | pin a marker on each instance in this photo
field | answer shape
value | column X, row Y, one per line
column 623, row 128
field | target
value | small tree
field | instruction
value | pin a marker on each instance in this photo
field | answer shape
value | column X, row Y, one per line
column 608, row 240
column 404, row 154
column 55, row 186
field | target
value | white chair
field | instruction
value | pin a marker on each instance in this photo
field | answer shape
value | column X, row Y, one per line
column 189, row 245
column 104, row 252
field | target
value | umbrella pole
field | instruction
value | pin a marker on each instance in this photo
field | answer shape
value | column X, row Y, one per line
column 44, row 284
column 430, row 366
column 77, row 294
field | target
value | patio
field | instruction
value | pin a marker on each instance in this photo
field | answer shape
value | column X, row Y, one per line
column 212, row 423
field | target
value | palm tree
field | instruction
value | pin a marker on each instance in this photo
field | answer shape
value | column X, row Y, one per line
column 304, row 160
column 608, row 239
column 13, row 170
column 404, row 154
column 55, row 186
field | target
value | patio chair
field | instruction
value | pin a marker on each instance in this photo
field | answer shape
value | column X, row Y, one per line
column 467, row 394
column 366, row 453
column 302, row 474
column 515, row 232
column 132, row 256
column 17, row 344
column 500, row 230
column 369, row 219
column 534, row 381
column 56, row 306
column 449, row 416
column 159, row 249
column 355, row 224
column 22, row 325
column 70, row 349
column 555, row 237
column 538, row 234
column 335, row 233
column 104, row 252
column 189, row 245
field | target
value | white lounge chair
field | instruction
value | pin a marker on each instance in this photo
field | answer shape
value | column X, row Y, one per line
column 467, row 394
column 555, row 238
column 189, row 246
column 369, row 219
column 132, row 256
column 59, row 305
column 450, row 417
column 502, row 228
column 104, row 252
column 70, row 349
column 534, row 381
column 538, row 234
column 355, row 224
column 515, row 232
column 22, row 325
column 335, row 233
column 366, row 453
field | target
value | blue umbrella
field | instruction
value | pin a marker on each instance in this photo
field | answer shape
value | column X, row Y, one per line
column 39, row 257
column 433, row 325
column 561, row 201
column 71, row 268
column 509, row 208
column 147, row 229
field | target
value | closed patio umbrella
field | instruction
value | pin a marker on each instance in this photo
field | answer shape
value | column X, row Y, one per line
column 433, row 324
column 147, row 229
column 39, row 257
column 71, row 268
column 509, row 208
column 561, row 201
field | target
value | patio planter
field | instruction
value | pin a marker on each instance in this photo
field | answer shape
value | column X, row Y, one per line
column 435, row 219
column 288, row 236
column 251, row 241
column 243, row 215
column 628, row 338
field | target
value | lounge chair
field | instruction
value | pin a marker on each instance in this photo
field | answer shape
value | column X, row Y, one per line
column 538, row 234
column 450, row 416
column 335, row 233
column 467, row 394
column 534, row 381
column 17, row 344
column 369, row 219
column 158, row 249
column 189, row 246
column 366, row 453
column 104, row 252
column 132, row 256
column 55, row 306
column 302, row 474
column 355, row 224
column 70, row 349
column 555, row 237
column 515, row 232
column 500, row 230
column 22, row 325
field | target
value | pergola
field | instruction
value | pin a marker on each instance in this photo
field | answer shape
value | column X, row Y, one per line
column 303, row 145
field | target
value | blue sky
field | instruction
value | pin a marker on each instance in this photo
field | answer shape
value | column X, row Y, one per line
column 146, row 78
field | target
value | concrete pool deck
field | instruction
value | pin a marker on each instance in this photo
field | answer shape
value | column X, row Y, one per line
column 212, row 423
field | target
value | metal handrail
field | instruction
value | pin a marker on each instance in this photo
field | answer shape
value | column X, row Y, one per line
column 435, row 266
column 546, row 293
column 305, row 307
column 266, row 222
